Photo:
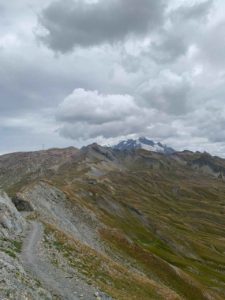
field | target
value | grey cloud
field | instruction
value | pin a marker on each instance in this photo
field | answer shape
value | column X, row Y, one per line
column 168, row 93
column 161, row 131
column 171, row 46
column 77, row 23
column 174, row 40
column 25, row 87
column 192, row 12
column 23, row 138
column 1, row 9
column 210, row 124
column 183, row 27
column 212, row 46
column 31, row 85
column 105, row 130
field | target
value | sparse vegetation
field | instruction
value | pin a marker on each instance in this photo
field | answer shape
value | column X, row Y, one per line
column 10, row 247
column 160, row 218
column 110, row 276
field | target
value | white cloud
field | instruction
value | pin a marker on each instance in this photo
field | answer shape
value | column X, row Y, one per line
column 89, row 114
column 94, row 108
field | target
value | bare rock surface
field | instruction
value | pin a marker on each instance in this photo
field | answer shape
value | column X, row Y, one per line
column 11, row 221
column 53, row 206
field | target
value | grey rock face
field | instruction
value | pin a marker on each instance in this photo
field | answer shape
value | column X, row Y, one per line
column 53, row 206
column 11, row 221
column 22, row 205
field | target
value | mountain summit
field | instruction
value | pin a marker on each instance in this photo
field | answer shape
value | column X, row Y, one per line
column 143, row 143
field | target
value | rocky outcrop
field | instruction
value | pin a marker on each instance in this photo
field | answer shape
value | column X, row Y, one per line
column 21, row 204
column 11, row 221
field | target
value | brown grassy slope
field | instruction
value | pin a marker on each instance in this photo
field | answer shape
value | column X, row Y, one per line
column 18, row 169
column 162, row 214
column 172, row 216
column 112, row 277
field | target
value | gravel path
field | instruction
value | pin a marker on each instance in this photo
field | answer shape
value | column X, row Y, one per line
column 51, row 277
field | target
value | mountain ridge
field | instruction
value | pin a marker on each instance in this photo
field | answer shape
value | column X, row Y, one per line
column 135, row 224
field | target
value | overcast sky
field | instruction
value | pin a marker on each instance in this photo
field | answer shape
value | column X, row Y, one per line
column 75, row 71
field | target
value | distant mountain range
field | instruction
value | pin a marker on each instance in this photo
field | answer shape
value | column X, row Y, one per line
column 143, row 143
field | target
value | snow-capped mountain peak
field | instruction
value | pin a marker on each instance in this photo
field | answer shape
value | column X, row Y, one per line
column 143, row 143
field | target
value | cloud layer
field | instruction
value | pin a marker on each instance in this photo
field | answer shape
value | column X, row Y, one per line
column 77, row 71
column 77, row 23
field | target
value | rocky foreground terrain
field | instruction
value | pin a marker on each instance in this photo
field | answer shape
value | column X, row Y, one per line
column 107, row 223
